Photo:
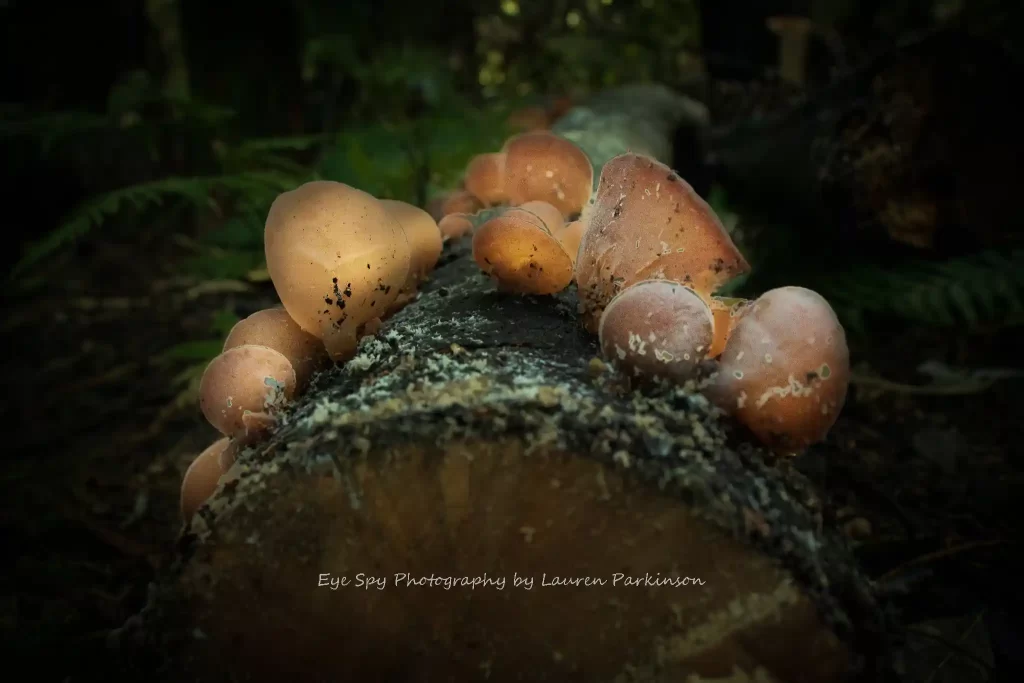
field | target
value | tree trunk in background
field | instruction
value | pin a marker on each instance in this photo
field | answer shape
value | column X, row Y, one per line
column 475, row 437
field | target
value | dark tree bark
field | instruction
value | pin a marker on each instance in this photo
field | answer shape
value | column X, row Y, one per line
column 477, row 436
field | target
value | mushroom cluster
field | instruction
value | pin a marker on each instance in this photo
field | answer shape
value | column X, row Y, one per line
column 340, row 260
column 648, row 255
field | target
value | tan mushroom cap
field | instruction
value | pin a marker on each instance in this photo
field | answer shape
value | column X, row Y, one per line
column 337, row 258
column 519, row 252
column 648, row 223
column 656, row 329
column 785, row 369
column 423, row 235
column 570, row 235
column 243, row 386
column 485, row 178
column 460, row 201
column 201, row 478
column 726, row 312
column 549, row 214
column 275, row 329
column 542, row 166
column 455, row 225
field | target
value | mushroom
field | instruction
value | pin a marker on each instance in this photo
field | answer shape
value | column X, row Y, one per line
column 425, row 244
column 520, row 253
column 543, row 166
column 570, row 235
column 485, row 178
column 201, row 478
column 648, row 223
column 455, row 225
column 243, row 387
column 656, row 329
column 460, row 201
column 275, row 329
column 337, row 259
column 549, row 214
column 785, row 370
column 726, row 312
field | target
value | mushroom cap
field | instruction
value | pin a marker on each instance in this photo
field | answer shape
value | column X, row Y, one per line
column 656, row 329
column 275, row 329
column 485, row 178
column 460, row 201
column 726, row 312
column 549, row 214
column 785, row 370
column 543, row 166
column 519, row 252
column 337, row 259
column 201, row 478
column 423, row 235
column 455, row 225
column 648, row 223
column 242, row 385
column 570, row 235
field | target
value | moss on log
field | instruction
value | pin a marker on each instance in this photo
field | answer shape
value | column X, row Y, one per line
column 477, row 439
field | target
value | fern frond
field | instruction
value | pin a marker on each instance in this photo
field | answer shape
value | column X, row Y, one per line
column 254, row 188
column 981, row 289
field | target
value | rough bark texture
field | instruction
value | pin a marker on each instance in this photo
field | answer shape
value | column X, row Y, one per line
column 476, row 436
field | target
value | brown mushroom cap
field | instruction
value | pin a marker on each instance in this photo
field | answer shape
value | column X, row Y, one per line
column 785, row 370
column 570, row 235
column 648, row 223
column 201, row 478
column 242, row 385
column 549, row 214
column 485, row 178
column 542, row 166
column 726, row 312
column 519, row 252
column 460, row 201
column 423, row 235
column 656, row 329
column 455, row 225
column 337, row 259
column 275, row 329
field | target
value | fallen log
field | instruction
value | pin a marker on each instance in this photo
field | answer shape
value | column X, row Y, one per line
column 475, row 496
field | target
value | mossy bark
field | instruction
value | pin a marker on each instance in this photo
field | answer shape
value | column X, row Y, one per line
column 476, row 438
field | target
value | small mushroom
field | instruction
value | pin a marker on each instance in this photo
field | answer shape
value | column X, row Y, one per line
column 275, row 329
column 242, row 388
column 647, row 223
column 549, row 214
column 726, row 312
column 785, row 370
column 543, row 166
column 201, row 478
column 570, row 235
column 338, row 260
column 460, row 201
column 455, row 225
column 656, row 329
column 519, row 252
column 485, row 178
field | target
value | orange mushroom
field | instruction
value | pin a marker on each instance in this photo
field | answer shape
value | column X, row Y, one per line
column 519, row 252
column 485, row 178
column 202, row 477
column 460, row 201
column 275, row 329
column 570, row 235
column 424, row 238
column 455, row 225
column 543, row 166
column 785, row 370
column 243, row 387
column 656, row 329
column 726, row 312
column 338, row 260
column 648, row 223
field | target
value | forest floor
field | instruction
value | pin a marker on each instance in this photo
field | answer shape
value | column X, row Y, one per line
column 98, row 441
